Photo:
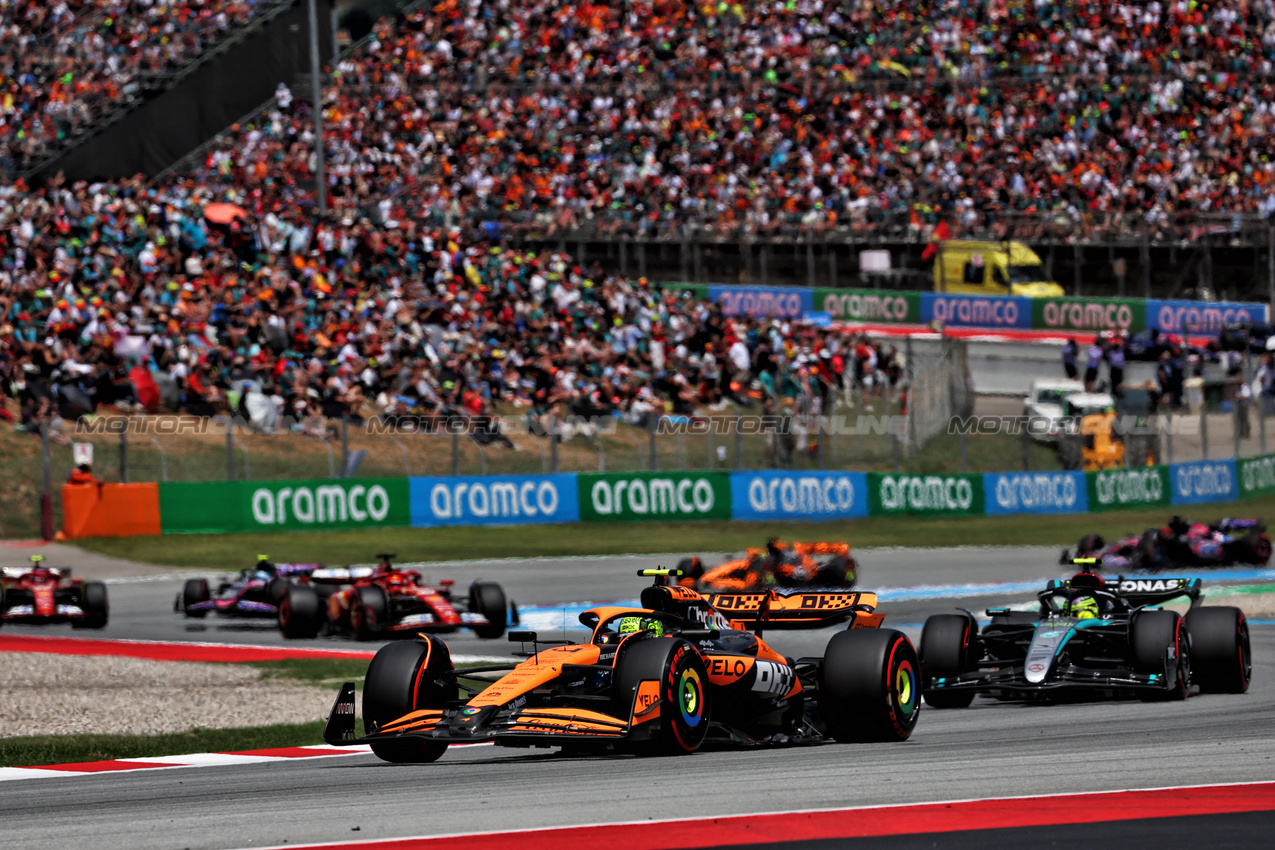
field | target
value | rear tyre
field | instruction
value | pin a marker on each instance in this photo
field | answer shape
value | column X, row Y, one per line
column 946, row 652
column 194, row 591
column 1151, row 635
column 869, row 687
column 278, row 589
column 1223, row 660
column 301, row 612
column 682, row 687
column 96, row 608
column 692, row 569
column 1089, row 544
column 1252, row 548
column 834, row 571
column 402, row 678
column 369, row 612
column 486, row 598
column 1150, row 553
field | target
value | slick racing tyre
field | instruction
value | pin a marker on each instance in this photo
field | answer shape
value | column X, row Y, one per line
column 1151, row 635
column 1222, row 662
column 301, row 612
column 869, row 687
column 1252, row 548
column 1090, row 544
column 194, row 591
column 96, row 609
column 682, row 685
column 947, row 650
column 402, row 678
column 278, row 589
column 368, row 612
column 692, row 569
column 486, row 598
column 1150, row 551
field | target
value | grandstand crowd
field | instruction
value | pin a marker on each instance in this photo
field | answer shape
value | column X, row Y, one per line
column 463, row 123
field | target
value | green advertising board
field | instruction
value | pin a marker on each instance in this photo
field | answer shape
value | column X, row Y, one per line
column 924, row 494
column 628, row 496
column 325, row 503
column 869, row 305
column 203, row 508
column 1135, row 487
column 1257, row 475
column 1089, row 315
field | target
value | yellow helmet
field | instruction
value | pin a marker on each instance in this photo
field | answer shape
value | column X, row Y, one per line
column 1084, row 608
column 651, row 625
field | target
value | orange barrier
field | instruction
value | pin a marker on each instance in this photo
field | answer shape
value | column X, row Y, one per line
column 110, row 510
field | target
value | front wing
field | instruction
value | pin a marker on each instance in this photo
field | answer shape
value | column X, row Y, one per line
column 1068, row 677
column 494, row 723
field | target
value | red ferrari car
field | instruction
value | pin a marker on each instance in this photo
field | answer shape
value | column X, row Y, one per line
column 40, row 594
column 383, row 601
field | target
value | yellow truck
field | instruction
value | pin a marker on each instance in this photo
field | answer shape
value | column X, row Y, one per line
column 965, row 267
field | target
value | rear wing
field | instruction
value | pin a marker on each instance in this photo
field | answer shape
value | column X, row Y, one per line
column 14, row 573
column 1144, row 591
column 297, row 569
column 340, row 575
column 801, row 610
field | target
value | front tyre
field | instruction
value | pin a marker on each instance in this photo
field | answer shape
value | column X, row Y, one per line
column 93, row 602
column 1151, row 636
column 946, row 650
column 368, row 611
column 402, row 678
column 301, row 612
column 193, row 592
column 681, row 683
column 487, row 598
column 1223, row 660
column 869, row 687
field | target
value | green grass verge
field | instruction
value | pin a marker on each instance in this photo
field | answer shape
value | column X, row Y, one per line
column 67, row 749
column 233, row 551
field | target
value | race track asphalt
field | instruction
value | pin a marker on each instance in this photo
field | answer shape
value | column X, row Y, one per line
column 989, row 750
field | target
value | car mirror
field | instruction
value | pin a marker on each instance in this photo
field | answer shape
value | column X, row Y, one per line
column 522, row 637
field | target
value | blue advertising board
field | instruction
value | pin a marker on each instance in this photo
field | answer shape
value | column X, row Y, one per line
column 1035, row 493
column 977, row 311
column 785, row 302
column 798, row 495
column 494, row 500
column 1205, row 318
column 1204, row 481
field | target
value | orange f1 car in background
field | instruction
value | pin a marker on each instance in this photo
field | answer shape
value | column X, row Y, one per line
column 680, row 671
column 796, row 565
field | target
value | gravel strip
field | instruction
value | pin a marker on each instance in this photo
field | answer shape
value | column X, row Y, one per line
column 44, row 694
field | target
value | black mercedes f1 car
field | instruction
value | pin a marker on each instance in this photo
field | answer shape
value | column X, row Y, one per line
column 1090, row 636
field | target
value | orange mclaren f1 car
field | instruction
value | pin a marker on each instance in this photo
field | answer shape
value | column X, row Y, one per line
column 683, row 670
column 810, row 566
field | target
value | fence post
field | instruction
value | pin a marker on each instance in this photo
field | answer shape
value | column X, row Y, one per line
column 1168, row 439
column 1024, row 442
column 822, row 444
column 230, row 448
column 739, row 441
column 46, row 497
column 1204, row 429
column 709, row 435
column 652, row 421
column 124, row 454
column 965, row 458
column 553, row 443
column 1261, row 422
column 832, row 265
column 455, row 451
column 345, row 444
column 1078, row 259
column 1145, row 250
column 911, row 380
column 1235, row 425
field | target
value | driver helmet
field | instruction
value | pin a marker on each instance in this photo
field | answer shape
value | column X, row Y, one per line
column 651, row 625
column 1083, row 608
